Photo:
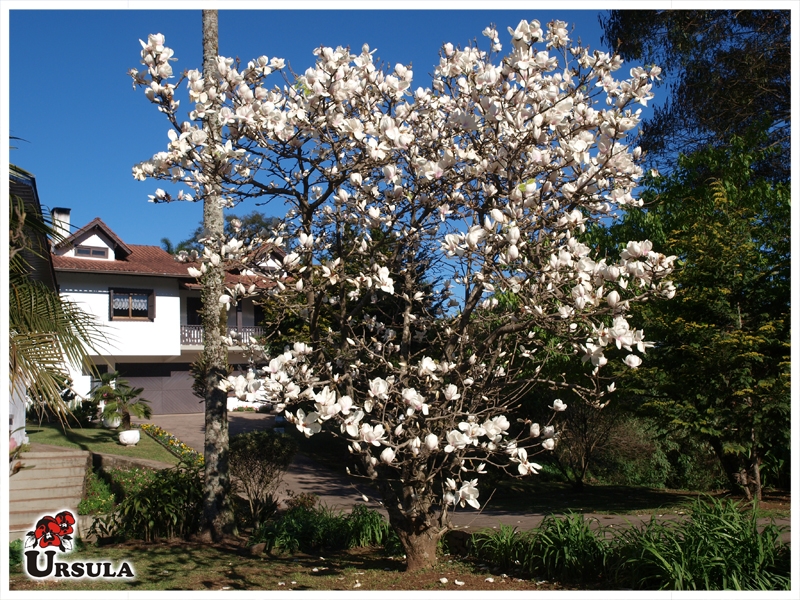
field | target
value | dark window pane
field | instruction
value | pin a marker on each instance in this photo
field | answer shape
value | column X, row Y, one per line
column 139, row 305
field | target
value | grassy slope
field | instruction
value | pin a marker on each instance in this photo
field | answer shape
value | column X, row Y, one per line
column 99, row 440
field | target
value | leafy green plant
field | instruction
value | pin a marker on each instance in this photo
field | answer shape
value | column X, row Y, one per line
column 505, row 547
column 721, row 547
column 567, row 549
column 15, row 553
column 258, row 460
column 307, row 529
column 98, row 497
column 126, row 401
column 168, row 505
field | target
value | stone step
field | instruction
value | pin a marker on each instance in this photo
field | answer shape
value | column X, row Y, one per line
column 48, row 454
column 16, row 483
column 24, row 518
column 54, row 460
column 59, row 489
column 45, row 505
column 41, row 473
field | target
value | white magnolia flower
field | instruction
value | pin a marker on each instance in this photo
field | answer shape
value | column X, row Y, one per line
column 451, row 392
column 372, row 435
column 427, row 367
column 469, row 494
column 431, row 442
column 558, row 406
column 457, row 441
column 633, row 361
column 387, row 456
column 379, row 388
column 548, row 444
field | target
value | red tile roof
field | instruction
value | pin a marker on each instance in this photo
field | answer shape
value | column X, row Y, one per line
column 143, row 260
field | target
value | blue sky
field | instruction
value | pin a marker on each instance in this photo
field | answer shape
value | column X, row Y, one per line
column 84, row 127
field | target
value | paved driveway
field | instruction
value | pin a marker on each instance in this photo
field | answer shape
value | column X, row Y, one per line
column 339, row 491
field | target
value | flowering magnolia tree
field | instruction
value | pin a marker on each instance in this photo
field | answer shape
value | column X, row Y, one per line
column 431, row 250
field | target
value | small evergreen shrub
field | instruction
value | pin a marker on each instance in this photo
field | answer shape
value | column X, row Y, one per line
column 257, row 462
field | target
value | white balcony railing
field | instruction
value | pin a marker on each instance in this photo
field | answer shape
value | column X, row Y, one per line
column 192, row 335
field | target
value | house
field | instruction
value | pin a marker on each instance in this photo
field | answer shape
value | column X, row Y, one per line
column 22, row 185
column 149, row 306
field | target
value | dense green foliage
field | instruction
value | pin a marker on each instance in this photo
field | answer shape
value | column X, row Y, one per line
column 168, row 505
column 308, row 527
column 719, row 548
column 719, row 372
column 15, row 553
column 727, row 70
column 241, row 227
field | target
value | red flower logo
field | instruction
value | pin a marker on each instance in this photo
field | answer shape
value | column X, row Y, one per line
column 65, row 520
column 51, row 531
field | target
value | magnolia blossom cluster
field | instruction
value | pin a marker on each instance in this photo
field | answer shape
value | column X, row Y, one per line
column 432, row 255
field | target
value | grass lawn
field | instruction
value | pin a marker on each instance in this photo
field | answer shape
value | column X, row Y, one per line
column 97, row 439
column 179, row 565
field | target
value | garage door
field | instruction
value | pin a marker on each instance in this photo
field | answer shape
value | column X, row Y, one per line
column 169, row 394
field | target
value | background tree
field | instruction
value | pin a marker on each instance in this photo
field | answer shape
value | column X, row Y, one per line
column 242, row 227
column 721, row 365
column 727, row 70
column 485, row 180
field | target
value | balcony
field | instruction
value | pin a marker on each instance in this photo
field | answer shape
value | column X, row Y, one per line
column 192, row 335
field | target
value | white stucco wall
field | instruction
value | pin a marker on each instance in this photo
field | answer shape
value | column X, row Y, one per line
column 160, row 337
column 95, row 241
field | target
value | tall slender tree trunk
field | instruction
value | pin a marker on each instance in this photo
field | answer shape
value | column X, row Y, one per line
column 216, row 494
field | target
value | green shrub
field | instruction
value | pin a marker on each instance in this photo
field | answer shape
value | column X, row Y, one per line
column 505, row 547
column 98, row 498
column 257, row 462
column 313, row 528
column 15, row 553
column 169, row 505
column 567, row 550
column 719, row 548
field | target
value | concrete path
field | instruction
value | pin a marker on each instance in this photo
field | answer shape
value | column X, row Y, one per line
column 339, row 491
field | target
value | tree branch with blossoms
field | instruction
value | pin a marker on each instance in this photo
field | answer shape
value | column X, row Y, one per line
column 432, row 249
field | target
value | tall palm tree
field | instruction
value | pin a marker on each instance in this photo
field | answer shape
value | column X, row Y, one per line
column 46, row 332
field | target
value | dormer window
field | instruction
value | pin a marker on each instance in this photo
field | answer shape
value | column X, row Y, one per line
column 91, row 252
